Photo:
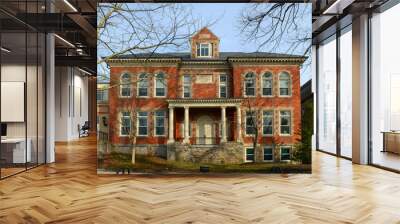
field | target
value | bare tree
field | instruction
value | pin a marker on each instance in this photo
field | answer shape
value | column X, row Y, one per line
column 131, row 107
column 278, row 27
column 253, row 122
column 144, row 29
column 125, row 28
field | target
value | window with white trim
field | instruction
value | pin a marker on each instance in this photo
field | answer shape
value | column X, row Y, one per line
column 250, row 155
column 142, row 123
column 187, row 86
column 159, row 123
column 267, row 84
column 285, row 122
column 268, row 121
column 125, row 85
column 143, row 85
column 223, row 86
column 251, row 123
column 250, row 84
column 160, row 85
column 203, row 50
column 284, row 84
column 268, row 153
column 125, row 127
column 285, row 153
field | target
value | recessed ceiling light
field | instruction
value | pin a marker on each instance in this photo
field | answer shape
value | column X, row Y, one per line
column 64, row 40
column 5, row 50
column 86, row 72
column 70, row 5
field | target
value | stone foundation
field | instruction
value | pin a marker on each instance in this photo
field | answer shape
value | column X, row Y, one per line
column 225, row 153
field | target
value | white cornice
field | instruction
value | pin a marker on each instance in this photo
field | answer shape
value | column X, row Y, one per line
column 227, row 62
column 218, row 102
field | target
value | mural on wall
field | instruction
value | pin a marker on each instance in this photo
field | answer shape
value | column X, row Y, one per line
column 197, row 102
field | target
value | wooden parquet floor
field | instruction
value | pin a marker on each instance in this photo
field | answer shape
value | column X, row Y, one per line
column 70, row 191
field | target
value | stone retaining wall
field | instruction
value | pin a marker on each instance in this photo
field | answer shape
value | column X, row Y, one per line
column 225, row 153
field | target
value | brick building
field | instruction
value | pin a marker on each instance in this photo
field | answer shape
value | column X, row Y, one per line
column 206, row 105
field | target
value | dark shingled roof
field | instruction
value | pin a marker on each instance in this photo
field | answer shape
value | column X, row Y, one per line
column 222, row 56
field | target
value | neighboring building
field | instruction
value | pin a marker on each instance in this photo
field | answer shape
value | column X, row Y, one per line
column 307, row 96
column 102, row 109
column 198, row 106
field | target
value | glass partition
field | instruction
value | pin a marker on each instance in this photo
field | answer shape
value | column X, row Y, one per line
column 22, row 90
column 13, row 86
column 385, row 89
column 327, row 96
column 346, row 93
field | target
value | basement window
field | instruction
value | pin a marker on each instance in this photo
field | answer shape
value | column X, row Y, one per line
column 249, row 154
column 285, row 153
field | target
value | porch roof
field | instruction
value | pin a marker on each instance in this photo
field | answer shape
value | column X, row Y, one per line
column 218, row 102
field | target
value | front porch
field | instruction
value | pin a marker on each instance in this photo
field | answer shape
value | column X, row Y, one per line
column 204, row 122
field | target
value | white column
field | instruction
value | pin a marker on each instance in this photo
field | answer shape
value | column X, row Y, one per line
column 223, row 126
column 50, row 92
column 186, row 139
column 171, row 125
column 360, row 90
column 239, row 124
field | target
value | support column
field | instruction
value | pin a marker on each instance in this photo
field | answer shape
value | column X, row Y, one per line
column 50, row 98
column 223, row 126
column 186, row 139
column 239, row 124
column 360, row 90
column 171, row 125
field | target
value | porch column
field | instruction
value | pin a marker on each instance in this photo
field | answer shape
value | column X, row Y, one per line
column 239, row 124
column 186, row 139
column 171, row 126
column 223, row 120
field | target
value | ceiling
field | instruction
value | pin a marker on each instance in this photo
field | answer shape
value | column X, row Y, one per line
column 331, row 15
column 73, row 22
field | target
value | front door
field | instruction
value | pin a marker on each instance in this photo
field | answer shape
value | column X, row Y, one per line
column 205, row 131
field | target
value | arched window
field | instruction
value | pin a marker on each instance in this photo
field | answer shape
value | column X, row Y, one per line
column 267, row 84
column 284, row 84
column 160, row 85
column 125, row 85
column 250, row 84
column 143, row 84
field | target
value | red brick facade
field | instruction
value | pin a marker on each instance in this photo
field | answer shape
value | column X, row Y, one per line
column 205, row 75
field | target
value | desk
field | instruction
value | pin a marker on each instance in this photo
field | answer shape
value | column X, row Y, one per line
column 13, row 150
column 391, row 141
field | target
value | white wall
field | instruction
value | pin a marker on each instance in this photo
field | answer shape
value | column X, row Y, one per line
column 71, row 102
column 14, row 73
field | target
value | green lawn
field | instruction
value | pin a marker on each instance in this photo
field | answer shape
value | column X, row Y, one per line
column 146, row 164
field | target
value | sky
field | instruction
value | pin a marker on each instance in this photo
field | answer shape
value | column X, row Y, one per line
column 226, row 27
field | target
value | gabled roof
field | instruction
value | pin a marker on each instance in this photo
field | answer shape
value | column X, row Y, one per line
column 204, row 30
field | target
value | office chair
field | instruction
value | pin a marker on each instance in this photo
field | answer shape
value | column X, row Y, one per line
column 84, row 130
